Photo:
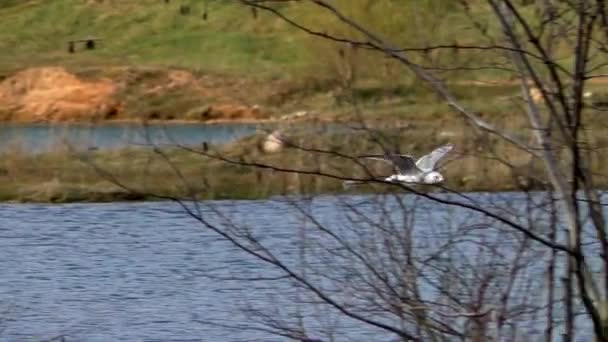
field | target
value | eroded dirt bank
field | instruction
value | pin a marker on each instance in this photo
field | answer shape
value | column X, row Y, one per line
column 53, row 94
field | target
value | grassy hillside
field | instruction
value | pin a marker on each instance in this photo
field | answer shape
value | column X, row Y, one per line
column 142, row 32
column 231, row 41
column 153, row 32
column 224, row 36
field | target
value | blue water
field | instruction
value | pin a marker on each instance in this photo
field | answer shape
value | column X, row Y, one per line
column 39, row 138
column 46, row 137
column 149, row 272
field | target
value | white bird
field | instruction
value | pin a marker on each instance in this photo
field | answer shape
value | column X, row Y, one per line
column 410, row 171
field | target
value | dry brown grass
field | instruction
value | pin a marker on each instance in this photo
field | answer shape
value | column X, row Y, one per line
column 65, row 176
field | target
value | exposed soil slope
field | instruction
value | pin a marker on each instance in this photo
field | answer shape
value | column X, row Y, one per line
column 52, row 94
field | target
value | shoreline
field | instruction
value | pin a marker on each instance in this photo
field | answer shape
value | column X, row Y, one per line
column 120, row 197
column 174, row 121
column 64, row 177
column 140, row 121
column 168, row 122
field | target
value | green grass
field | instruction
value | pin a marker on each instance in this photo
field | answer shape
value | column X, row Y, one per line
column 150, row 32
column 231, row 40
column 140, row 32
column 232, row 43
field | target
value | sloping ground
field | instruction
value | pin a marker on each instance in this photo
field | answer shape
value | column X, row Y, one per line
column 52, row 94
column 211, row 38
column 142, row 32
column 226, row 36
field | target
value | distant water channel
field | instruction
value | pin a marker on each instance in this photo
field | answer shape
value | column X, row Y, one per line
column 37, row 138
column 40, row 138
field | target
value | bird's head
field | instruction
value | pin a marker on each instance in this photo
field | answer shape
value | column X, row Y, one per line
column 433, row 178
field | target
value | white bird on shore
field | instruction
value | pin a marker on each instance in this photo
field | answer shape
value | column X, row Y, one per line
column 409, row 171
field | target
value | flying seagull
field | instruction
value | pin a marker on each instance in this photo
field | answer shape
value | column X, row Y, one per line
column 421, row 171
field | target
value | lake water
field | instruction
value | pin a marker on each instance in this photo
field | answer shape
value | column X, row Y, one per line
column 38, row 138
column 149, row 272
column 45, row 137
column 126, row 272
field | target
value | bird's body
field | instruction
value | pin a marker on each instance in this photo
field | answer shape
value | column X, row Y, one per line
column 403, row 178
column 421, row 171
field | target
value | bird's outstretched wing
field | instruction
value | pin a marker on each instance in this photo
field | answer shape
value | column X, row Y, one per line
column 403, row 163
column 427, row 163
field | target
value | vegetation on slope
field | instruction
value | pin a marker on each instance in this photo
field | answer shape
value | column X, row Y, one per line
column 228, row 39
column 223, row 40
column 143, row 32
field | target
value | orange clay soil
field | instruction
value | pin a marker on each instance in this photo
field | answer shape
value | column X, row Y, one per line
column 52, row 94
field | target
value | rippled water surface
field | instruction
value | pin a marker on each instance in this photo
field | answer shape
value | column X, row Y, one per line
column 127, row 272
column 148, row 272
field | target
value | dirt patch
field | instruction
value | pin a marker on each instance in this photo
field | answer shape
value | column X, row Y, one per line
column 179, row 78
column 161, row 94
column 171, row 80
column 53, row 94
column 227, row 112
